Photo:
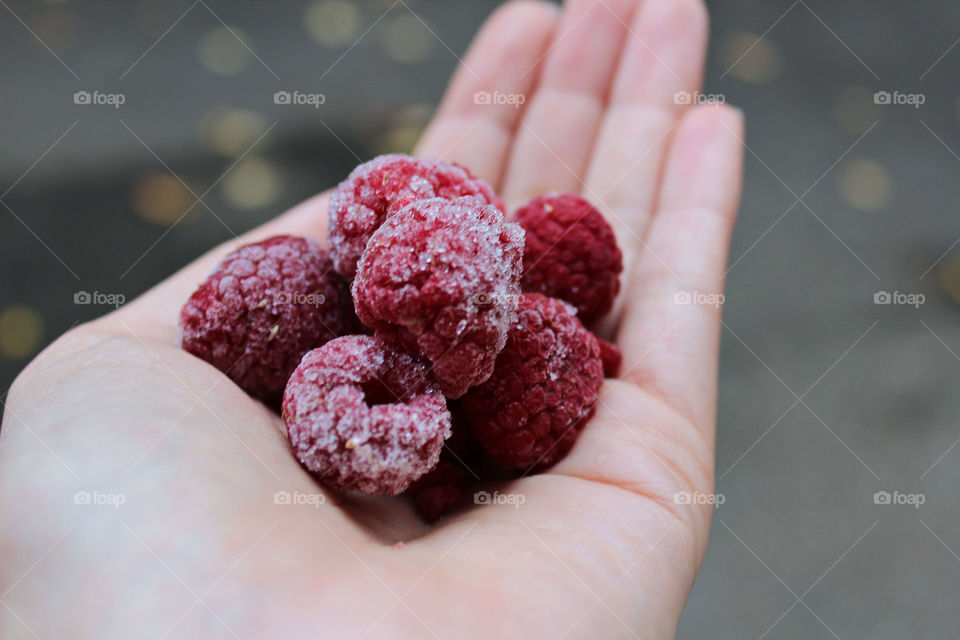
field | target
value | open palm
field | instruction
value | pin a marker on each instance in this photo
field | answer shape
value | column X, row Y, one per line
column 599, row 547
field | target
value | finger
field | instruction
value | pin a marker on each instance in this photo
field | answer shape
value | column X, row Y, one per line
column 475, row 123
column 557, row 132
column 671, row 327
column 663, row 57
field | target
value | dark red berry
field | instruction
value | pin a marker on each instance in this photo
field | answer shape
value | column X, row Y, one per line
column 571, row 253
column 543, row 389
column 262, row 308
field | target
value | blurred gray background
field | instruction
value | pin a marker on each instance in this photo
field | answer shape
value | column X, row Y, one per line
column 826, row 397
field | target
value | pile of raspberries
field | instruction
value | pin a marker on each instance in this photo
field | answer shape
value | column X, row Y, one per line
column 433, row 338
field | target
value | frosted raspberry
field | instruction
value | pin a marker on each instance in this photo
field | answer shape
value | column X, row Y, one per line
column 439, row 491
column 379, row 188
column 262, row 308
column 363, row 416
column 543, row 390
column 571, row 253
column 611, row 357
column 442, row 277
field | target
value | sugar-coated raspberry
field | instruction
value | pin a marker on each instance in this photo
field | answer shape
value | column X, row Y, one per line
column 543, row 390
column 442, row 278
column 439, row 491
column 262, row 308
column 611, row 357
column 379, row 188
column 571, row 253
column 363, row 416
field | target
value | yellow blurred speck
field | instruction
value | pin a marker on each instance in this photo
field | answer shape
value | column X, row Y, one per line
column 161, row 199
column 230, row 131
column 221, row 51
column 417, row 114
column 949, row 277
column 750, row 58
column 55, row 28
column 21, row 329
column 405, row 39
column 865, row 185
column 408, row 126
column 333, row 23
column 855, row 109
column 252, row 184
column 399, row 140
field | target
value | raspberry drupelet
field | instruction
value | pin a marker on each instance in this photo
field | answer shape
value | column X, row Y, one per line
column 571, row 253
column 543, row 390
column 379, row 188
column 364, row 416
column 262, row 308
column 442, row 278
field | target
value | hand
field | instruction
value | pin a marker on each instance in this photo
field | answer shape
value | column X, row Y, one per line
column 599, row 548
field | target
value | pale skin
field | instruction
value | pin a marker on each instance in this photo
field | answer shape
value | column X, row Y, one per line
column 599, row 548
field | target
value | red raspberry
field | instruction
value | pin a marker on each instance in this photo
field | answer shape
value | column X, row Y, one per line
column 543, row 390
column 262, row 308
column 379, row 188
column 442, row 277
column 439, row 491
column 363, row 416
column 612, row 358
column 461, row 447
column 571, row 253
